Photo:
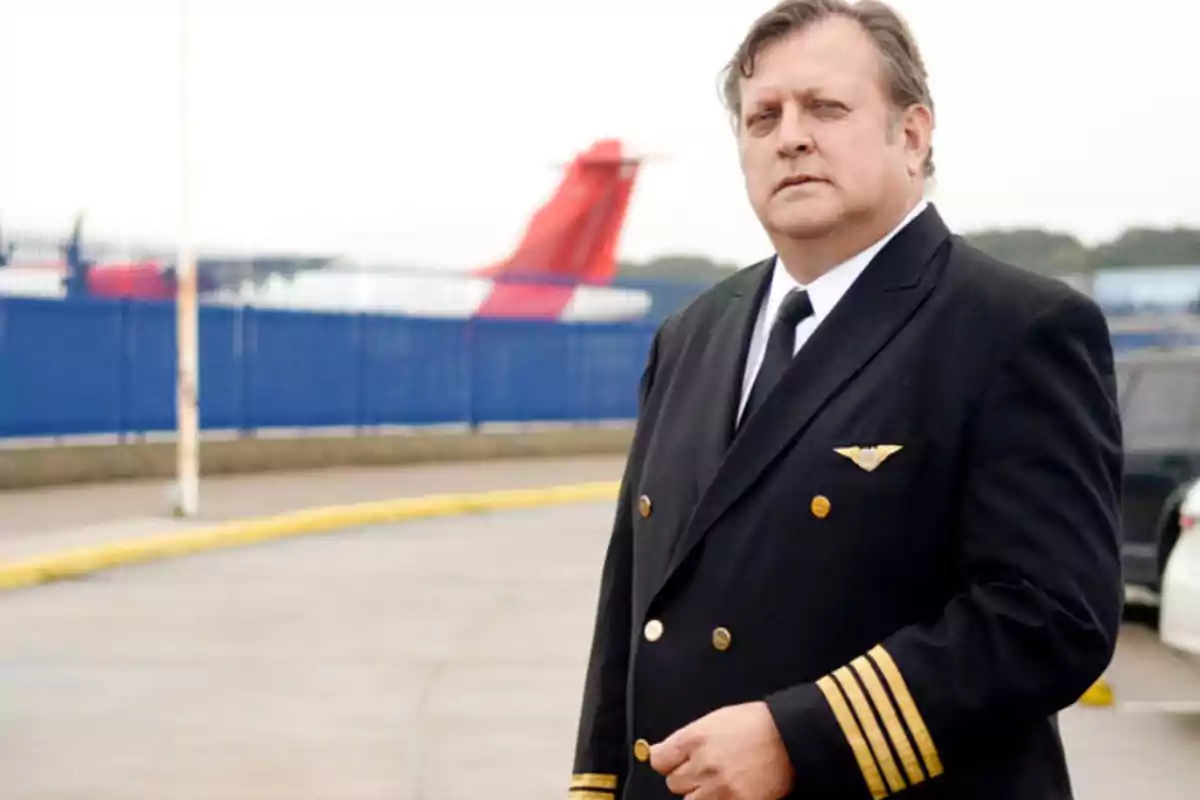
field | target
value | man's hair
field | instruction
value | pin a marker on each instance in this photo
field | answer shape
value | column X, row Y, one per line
column 905, row 79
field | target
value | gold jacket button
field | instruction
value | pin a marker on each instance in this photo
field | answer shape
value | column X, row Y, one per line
column 645, row 506
column 820, row 506
column 722, row 638
column 641, row 750
column 653, row 630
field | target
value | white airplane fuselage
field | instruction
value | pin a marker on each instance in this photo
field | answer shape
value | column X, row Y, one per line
column 422, row 295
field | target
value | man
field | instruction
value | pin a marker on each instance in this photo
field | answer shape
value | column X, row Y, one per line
column 867, row 539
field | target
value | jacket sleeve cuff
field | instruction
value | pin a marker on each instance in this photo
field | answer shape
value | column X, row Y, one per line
column 856, row 732
column 593, row 786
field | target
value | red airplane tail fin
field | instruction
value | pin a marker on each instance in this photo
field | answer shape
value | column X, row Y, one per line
column 572, row 239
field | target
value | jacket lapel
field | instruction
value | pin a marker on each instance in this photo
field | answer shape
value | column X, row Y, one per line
column 722, row 367
column 873, row 310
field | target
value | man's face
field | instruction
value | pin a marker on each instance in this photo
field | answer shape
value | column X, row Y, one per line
column 815, row 110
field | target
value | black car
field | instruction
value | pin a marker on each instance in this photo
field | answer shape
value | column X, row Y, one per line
column 1160, row 411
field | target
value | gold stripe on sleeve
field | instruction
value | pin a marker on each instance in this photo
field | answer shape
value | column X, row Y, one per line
column 586, row 794
column 874, row 733
column 593, row 780
column 887, row 711
column 854, row 736
column 908, row 708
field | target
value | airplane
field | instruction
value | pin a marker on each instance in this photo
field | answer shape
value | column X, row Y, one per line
column 28, row 270
column 562, row 268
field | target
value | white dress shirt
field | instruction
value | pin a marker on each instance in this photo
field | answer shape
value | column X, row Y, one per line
column 824, row 292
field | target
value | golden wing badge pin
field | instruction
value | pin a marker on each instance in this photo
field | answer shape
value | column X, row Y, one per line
column 869, row 458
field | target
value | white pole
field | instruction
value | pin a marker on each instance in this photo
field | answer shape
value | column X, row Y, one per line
column 187, row 382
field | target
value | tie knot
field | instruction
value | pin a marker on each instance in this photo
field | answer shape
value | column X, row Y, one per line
column 796, row 307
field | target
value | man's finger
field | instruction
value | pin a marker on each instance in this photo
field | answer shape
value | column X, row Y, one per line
column 668, row 754
column 685, row 779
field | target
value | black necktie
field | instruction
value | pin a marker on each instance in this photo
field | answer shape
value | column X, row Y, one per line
column 781, row 347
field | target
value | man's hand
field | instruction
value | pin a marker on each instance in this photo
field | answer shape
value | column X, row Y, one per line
column 734, row 753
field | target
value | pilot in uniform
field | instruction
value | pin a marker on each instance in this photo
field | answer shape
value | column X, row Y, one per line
column 886, row 505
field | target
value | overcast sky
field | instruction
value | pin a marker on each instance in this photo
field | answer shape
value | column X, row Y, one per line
column 390, row 130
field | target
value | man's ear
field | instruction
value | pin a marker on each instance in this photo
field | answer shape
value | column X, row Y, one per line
column 916, row 126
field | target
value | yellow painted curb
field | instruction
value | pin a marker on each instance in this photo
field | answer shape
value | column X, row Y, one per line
column 1099, row 693
column 85, row 560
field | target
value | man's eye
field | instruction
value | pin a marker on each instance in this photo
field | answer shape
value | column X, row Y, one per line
column 828, row 105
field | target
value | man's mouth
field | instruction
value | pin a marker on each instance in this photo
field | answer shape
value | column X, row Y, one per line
column 796, row 180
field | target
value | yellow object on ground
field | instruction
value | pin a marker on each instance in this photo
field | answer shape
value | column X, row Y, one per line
column 85, row 560
column 1099, row 693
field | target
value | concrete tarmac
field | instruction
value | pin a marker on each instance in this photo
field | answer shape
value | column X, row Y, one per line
column 36, row 521
column 436, row 660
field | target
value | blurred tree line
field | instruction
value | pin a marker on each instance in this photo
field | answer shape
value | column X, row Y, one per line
column 1049, row 252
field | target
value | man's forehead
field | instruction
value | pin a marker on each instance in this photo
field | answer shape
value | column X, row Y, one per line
column 791, row 73
column 834, row 53
column 762, row 88
column 791, row 85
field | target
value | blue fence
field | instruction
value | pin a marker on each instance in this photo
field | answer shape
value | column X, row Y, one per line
column 108, row 367
column 81, row 367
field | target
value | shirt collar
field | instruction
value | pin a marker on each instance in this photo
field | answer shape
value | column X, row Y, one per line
column 825, row 291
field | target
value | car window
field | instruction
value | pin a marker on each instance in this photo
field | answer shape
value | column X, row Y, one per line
column 1160, row 411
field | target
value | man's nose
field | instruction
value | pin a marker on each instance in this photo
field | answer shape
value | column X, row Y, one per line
column 795, row 135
